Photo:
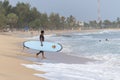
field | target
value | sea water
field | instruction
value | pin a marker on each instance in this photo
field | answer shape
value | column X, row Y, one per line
column 103, row 46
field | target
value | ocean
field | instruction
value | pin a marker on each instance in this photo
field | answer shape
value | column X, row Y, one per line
column 101, row 46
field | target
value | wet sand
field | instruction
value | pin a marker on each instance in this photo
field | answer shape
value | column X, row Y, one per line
column 57, row 57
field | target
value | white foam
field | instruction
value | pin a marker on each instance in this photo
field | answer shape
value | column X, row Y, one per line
column 108, row 59
column 91, row 71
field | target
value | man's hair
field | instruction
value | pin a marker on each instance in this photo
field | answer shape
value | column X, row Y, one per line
column 42, row 31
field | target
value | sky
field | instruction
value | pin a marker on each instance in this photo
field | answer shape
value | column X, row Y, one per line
column 82, row 10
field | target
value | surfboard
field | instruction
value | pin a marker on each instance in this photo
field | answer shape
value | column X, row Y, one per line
column 47, row 46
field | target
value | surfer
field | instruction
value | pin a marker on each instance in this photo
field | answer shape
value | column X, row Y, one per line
column 106, row 39
column 99, row 40
column 41, row 37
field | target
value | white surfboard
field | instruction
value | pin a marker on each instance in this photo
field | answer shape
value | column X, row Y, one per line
column 47, row 46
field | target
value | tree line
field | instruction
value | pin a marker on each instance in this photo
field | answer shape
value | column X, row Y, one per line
column 23, row 15
column 102, row 24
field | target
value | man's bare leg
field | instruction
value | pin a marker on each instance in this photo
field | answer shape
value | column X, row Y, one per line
column 43, row 55
column 38, row 53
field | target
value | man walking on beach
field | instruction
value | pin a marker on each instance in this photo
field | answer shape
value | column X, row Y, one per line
column 41, row 37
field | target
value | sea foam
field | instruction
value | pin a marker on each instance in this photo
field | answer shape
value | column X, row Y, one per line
column 91, row 71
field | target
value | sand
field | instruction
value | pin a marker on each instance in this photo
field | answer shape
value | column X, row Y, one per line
column 10, row 64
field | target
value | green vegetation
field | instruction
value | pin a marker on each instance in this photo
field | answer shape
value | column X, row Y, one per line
column 22, row 15
column 102, row 24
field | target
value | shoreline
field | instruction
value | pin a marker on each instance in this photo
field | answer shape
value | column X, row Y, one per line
column 55, row 57
column 12, row 57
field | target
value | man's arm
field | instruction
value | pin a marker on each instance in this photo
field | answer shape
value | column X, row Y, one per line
column 41, row 41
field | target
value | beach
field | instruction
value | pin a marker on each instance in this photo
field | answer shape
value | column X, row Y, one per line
column 10, row 63
column 83, row 57
column 13, row 56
